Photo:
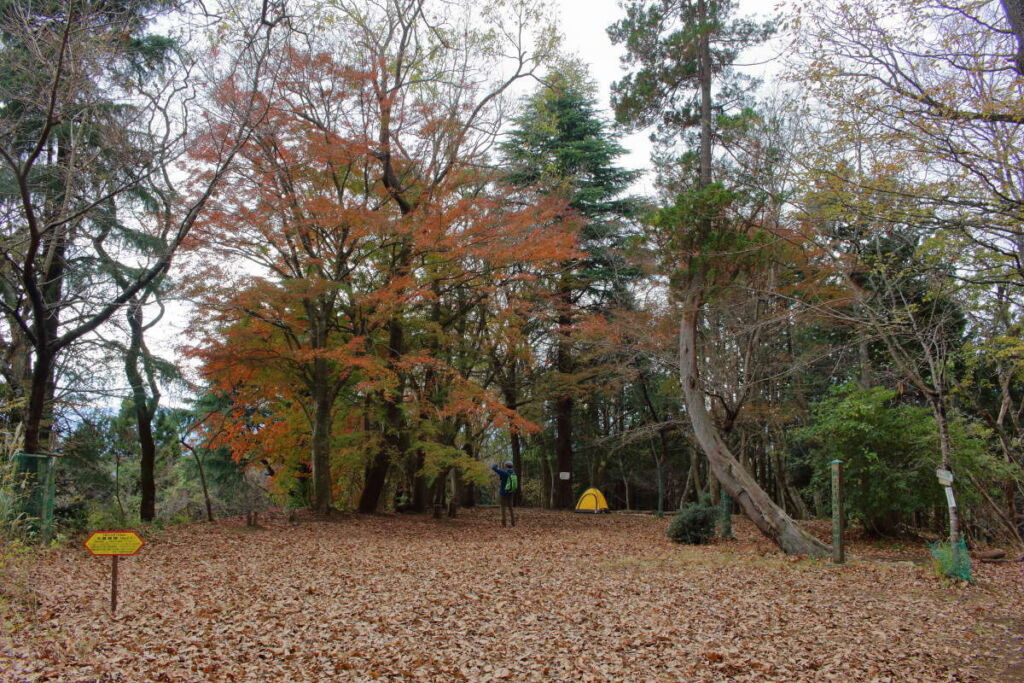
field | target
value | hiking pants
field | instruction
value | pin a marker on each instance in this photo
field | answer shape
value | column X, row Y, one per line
column 506, row 502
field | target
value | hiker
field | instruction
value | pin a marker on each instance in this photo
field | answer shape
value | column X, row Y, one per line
column 509, row 484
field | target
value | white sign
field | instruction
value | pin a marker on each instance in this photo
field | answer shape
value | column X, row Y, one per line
column 945, row 477
column 949, row 497
column 564, row 476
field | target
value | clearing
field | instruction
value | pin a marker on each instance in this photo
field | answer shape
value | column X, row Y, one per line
column 559, row 597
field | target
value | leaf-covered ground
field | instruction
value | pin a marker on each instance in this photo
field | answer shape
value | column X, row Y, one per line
column 560, row 597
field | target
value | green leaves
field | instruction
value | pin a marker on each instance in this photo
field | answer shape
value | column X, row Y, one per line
column 698, row 233
column 440, row 458
column 661, row 38
column 888, row 452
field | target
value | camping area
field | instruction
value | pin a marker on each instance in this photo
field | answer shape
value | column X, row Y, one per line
column 558, row 597
column 527, row 340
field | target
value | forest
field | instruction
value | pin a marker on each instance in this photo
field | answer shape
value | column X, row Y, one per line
column 298, row 299
column 345, row 256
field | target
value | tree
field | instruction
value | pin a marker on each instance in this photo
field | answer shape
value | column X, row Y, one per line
column 144, row 371
column 82, row 170
column 885, row 448
column 364, row 203
column 925, row 97
column 923, row 145
column 467, row 118
column 561, row 147
column 678, row 48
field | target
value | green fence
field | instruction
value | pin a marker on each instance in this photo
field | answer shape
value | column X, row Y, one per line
column 40, row 481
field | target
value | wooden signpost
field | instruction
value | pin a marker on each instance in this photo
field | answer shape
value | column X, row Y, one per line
column 838, row 520
column 115, row 544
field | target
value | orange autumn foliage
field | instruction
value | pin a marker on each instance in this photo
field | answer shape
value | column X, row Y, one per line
column 298, row 337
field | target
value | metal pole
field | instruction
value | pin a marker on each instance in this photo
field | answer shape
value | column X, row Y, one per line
column 838, row 523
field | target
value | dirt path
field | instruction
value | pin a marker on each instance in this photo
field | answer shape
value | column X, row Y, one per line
column 559, row 597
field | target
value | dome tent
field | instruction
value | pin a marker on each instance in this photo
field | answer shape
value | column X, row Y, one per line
column 592, row 500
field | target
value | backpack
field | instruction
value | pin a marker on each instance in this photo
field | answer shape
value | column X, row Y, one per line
column 512, row 483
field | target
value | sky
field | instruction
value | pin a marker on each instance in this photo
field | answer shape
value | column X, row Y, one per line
column 584, row 24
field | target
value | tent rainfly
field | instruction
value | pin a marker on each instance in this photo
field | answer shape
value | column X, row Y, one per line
column 592, row 500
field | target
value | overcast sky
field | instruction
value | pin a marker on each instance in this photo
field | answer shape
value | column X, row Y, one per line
column 584, row 24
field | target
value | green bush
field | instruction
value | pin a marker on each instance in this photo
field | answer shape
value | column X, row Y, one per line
column 108, row 515
column 888, row 450
column 694, row 524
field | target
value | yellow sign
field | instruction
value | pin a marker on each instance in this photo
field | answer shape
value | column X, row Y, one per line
column 114, row 543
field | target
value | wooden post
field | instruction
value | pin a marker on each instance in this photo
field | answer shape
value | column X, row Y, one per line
column 115, row 544
column 838, row 551
column 725, row 516
column 113, row 585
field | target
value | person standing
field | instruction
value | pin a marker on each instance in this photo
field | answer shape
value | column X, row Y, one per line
column 508, row 486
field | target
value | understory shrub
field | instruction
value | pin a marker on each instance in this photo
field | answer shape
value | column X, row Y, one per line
column 694, row 524
column 888, row 451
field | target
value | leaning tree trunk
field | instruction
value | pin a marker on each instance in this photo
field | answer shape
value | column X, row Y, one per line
column 737, row 482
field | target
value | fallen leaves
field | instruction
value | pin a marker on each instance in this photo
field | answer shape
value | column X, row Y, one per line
column 559, row 596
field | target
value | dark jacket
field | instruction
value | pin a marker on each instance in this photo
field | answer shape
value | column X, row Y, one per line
column 504, row 474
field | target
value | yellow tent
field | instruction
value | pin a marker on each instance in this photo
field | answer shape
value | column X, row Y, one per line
column 592, row 500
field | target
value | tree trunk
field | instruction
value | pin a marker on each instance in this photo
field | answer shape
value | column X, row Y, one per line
column 419, row 485
column 395, row 441
column 659, row 466
column 1015, row 15
column 563, row 419
column 786, row 488
column 659, row 461
column 455, row 500
column 625, row 482
column 202, row 479
column 517, row 465
column 323, row 419
column 865, row 378
column 467, row 498
column 939, row 411
column 145, row 409
column 772, row 521
column 704, row 76
column 36, row 432
column 45, row 327
column 440, row 486
column 373, row 482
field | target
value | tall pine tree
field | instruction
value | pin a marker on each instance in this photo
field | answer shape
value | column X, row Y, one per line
column 561, row 145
